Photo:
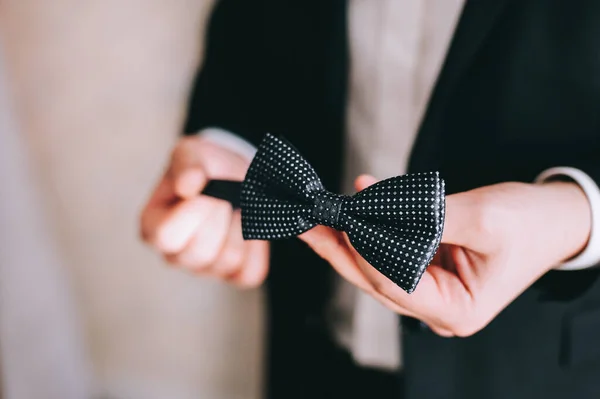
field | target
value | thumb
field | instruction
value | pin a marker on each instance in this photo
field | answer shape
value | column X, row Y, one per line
column 465, row 222
column 186, row 173
column 462, row 216
column 189, row 182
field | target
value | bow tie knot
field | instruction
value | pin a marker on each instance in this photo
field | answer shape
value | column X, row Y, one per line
column 326, row 209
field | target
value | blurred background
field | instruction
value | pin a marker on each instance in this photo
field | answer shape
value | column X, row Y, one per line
column 92, row 97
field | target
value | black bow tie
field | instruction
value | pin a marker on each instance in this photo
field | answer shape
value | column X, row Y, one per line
column 395, row 225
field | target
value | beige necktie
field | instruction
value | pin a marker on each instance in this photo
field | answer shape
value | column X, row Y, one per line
column 397, row 48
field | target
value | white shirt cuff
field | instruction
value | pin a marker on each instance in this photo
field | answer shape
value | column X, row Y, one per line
column 228, row 140
column 590, row 256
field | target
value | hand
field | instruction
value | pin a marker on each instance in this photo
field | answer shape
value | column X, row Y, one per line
column 497, row 241
column 198, row 232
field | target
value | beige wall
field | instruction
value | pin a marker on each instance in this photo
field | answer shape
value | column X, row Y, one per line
column 100, row 88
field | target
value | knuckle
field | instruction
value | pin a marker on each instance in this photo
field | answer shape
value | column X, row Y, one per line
column 484, row 217
column 442, row 332
column 179, row 150
column 181, row 155
column 183, row 145
column 197, row 262
column 250, row 282
column 465, row 326
column 489, row 217
column 496, row 208
column 162, row 240
column 203, row 256
column 463, row 330
column 255, row 280
column 232, row 257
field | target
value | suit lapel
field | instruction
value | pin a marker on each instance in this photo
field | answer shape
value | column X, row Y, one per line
column 476, row 21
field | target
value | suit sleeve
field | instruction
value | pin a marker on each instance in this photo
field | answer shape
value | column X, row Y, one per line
column 227, row 91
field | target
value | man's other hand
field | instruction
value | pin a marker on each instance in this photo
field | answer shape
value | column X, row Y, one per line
column 197, row 232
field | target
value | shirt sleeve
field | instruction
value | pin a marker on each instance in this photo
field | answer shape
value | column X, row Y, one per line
column 590, row 256
column 229, row 140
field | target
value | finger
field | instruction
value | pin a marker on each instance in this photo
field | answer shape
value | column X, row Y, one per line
column 168, row 229
column 361, row 183
column 155, row 209
column 186, row 171
column 337, row 250
column 442, row 332
column 206, row 241
column 233, row 252
column 187, row 154
column 465, row 222
column 331, row 246
column 373, row 276
column 438, row 256
column 253, row 271
column 392, row 305
column 463, row 218
column 364, row 181
column 163, row 194
column 460, row 208
column 189, row 182
column 439, row 295
column 455, row 220
column 443, row 259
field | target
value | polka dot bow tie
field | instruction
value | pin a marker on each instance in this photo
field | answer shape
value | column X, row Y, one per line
column 395, row 225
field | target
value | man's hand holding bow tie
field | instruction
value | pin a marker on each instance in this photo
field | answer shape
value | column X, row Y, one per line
column 497, row 241
column 200, row 233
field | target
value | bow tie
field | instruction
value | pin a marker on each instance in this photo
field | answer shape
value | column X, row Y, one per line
column 395, row 225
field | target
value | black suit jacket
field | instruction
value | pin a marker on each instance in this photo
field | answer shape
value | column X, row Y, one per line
column 519, row 92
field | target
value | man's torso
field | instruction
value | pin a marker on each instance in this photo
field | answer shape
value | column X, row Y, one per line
column 518, row 94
